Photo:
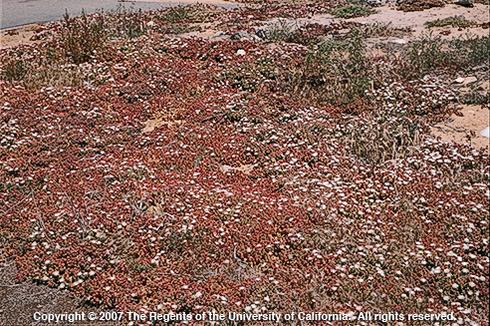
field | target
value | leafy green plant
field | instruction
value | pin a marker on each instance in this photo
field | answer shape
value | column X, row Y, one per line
column 471, row 52
column 426, row 53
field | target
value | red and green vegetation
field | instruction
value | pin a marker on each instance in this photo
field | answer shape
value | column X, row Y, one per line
column 148, row 169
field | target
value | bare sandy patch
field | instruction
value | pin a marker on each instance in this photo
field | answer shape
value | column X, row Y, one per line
column 417, row 19
column 18, row 36
column 466, row 128
column 153, row 124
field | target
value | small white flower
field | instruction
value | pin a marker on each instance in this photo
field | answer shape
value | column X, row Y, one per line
column 198, row 294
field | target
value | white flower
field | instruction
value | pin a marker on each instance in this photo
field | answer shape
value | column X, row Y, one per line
column 198, row 294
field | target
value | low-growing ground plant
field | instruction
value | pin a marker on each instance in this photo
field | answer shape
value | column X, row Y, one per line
column 455, row 21
column 432, row 52
column 418, row 5
column 379, row 29
column 352, row 11
column 178, row 14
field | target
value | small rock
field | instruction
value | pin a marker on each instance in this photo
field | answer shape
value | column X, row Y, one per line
column 465, row 3
column 399, row 41
column 261, row 33
column 466, row 80
column 241, row 52
column 243, row 35
column 485, row 132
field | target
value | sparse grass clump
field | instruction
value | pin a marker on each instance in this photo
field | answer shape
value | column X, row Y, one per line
column 455, row 21
column 15, row 70
column 281, row 31
column 336, row 72
column 130, row 24
column 378, row 139
column 431, row 52
column 34, row 73
column 382, row 30
column 352, row 11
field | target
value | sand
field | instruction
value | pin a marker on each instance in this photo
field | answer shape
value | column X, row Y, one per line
column 466, row 128
column 18, row 36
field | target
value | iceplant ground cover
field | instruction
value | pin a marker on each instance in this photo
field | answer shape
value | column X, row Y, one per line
column 173, row 173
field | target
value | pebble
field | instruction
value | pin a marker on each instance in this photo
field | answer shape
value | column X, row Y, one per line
column 466, row 80
column 485, row 132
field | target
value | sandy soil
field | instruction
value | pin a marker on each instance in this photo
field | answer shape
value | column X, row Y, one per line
column 18, row 36
column 417, row 19
column 466, row 128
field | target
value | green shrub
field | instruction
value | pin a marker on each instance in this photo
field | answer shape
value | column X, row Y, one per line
column 471, row 52
column 425, row 54
column 429, row 53
column 179, row 14
column 82, row 37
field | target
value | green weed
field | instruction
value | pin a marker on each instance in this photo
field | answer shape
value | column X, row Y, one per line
column 455, row 21
column 82, row 37
column 352, row 11
column 336, row 72
column 15, row 70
